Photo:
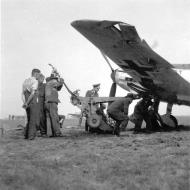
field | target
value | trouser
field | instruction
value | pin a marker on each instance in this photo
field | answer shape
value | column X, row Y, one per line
column 53, row 118
column 120, row 118
column 151, row 121
column 117, row 115
column 42, row 115
column 32, row 120
column 61, row 120
column 138, row 124
column 138, row 120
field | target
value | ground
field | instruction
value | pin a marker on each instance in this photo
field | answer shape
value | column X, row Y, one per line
column 82, row 161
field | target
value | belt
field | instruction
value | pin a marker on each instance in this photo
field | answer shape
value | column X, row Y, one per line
column 51, row 102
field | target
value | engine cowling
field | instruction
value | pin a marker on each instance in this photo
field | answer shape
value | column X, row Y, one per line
column 121, row 78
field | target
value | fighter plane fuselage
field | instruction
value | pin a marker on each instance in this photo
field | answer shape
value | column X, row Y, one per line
column 121, row 43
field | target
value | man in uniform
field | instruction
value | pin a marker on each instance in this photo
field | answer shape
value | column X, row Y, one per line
column 141, row 113
column 30, row 100
column 41, row 98
column 94, row 93
column 118, row 110
column 101, row 106
column 53, row 85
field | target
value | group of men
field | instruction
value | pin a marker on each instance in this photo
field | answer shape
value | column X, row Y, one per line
column 40, row 100
column 118, row 111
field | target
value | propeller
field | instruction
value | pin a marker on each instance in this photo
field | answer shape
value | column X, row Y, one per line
column 114, row 85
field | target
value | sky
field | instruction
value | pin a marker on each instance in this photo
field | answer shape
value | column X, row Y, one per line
column 37, row 32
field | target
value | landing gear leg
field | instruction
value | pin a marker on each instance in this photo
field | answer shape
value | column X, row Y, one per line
column 169, row 109
column 155, row 119
column 156, row 105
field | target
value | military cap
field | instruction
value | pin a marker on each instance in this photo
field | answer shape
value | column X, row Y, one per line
column 96, row 85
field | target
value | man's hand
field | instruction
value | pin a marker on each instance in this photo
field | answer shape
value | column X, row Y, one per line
column 25, row 105
column 61, row 80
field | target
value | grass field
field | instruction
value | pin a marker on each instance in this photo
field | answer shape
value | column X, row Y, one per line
column 82, row 161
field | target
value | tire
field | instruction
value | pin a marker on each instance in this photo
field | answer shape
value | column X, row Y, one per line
column 169, row 119
column 175, row 121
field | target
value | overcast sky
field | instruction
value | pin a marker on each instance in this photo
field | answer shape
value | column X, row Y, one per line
column 38, row 32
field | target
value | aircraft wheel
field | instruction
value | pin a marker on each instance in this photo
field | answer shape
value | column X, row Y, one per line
column 94, row 120
column 169, row 121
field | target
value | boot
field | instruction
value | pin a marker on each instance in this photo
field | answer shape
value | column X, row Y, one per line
column 123, row 125
column 117, row 129
column 137, row 129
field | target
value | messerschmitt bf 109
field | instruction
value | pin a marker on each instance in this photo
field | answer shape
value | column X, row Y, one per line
column 150, row 73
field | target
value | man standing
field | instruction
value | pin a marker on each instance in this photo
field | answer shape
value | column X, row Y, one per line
column 53, row 85
column 94, row 91
column 118, row 110
column 41, row 99
column 30, row 100
column 100, row 107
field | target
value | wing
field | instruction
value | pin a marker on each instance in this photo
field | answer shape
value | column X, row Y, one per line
column 121, row 43
column 148, row 68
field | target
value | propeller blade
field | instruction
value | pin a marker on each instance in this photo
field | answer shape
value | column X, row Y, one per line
column 114, row 84
column 113, row 90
